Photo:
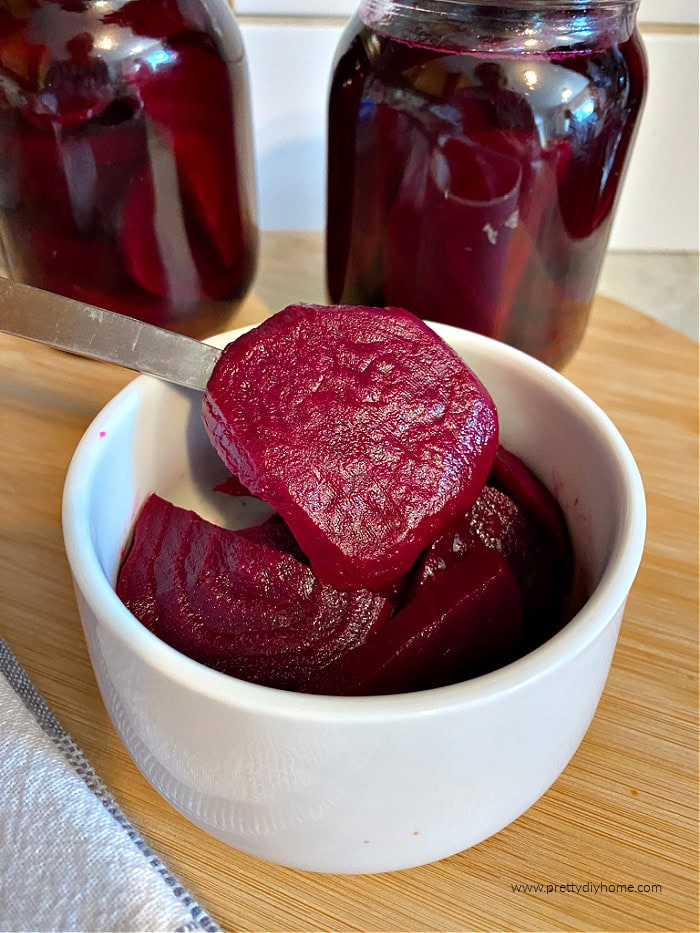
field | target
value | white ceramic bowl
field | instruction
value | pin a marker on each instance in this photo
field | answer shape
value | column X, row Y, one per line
column 364, row 784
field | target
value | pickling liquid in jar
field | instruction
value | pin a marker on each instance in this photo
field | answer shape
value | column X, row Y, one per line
column 126, row 157
column 475, row 161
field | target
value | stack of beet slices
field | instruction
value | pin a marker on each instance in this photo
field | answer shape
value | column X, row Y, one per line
column 408, row 550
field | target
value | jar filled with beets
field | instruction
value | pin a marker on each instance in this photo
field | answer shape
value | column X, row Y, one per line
column 476, row 153
column 126, row 156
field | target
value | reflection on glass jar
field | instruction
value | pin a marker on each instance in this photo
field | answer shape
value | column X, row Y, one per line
column 126, row 156
column 476, row 152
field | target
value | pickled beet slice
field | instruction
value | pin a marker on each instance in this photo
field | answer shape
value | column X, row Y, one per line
column 513, row 477
column 79, row 267
column 139, row 239
column 237, row 605
column 190, row 265
column 496, row 521
column 360, row 427
column 191, row 101
column 468, row 622
column 455, row 238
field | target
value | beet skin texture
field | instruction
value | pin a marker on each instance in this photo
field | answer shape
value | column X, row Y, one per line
column 361, row 427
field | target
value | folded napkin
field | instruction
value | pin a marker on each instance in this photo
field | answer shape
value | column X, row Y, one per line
column 69, row 858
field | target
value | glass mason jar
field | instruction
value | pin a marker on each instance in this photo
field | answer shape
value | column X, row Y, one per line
column 476, row 152
column 126, row 157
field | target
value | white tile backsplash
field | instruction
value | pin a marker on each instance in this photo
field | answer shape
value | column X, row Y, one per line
column 669, row 11
column 290, row 69
column 296, row 7
column 659, row 204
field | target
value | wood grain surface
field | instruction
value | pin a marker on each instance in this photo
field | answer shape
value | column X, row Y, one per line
column 624, row 812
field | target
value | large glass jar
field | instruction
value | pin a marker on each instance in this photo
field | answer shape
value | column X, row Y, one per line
column 476, row 152
column 126, row 158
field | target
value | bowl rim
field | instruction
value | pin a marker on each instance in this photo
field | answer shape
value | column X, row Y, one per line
column 588, row 624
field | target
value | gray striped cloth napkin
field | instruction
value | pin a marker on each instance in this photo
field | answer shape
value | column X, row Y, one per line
column 69, row 858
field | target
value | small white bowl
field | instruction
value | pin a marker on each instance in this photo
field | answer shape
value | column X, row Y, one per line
column 363, row 784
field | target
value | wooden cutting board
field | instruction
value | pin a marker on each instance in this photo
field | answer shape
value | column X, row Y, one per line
column 623, row 813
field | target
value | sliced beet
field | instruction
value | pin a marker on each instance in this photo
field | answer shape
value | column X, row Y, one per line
column 192, row 266
column 513, row 477
column 496, row 521
column 190, row 108
column 190, row 101
column 84, row 268
column 360, row 427
column 469, row 621
column 236, row 605
column 446, row 251
column 139, row 238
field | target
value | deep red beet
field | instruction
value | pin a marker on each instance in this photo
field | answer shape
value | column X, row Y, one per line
column 136, row 156
column 185, row 103
column 238, row 605
column 361, row 427
column 496, row 521
column 462, row 191
column 469, row 621
column 417, row 109
column 513, row 477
